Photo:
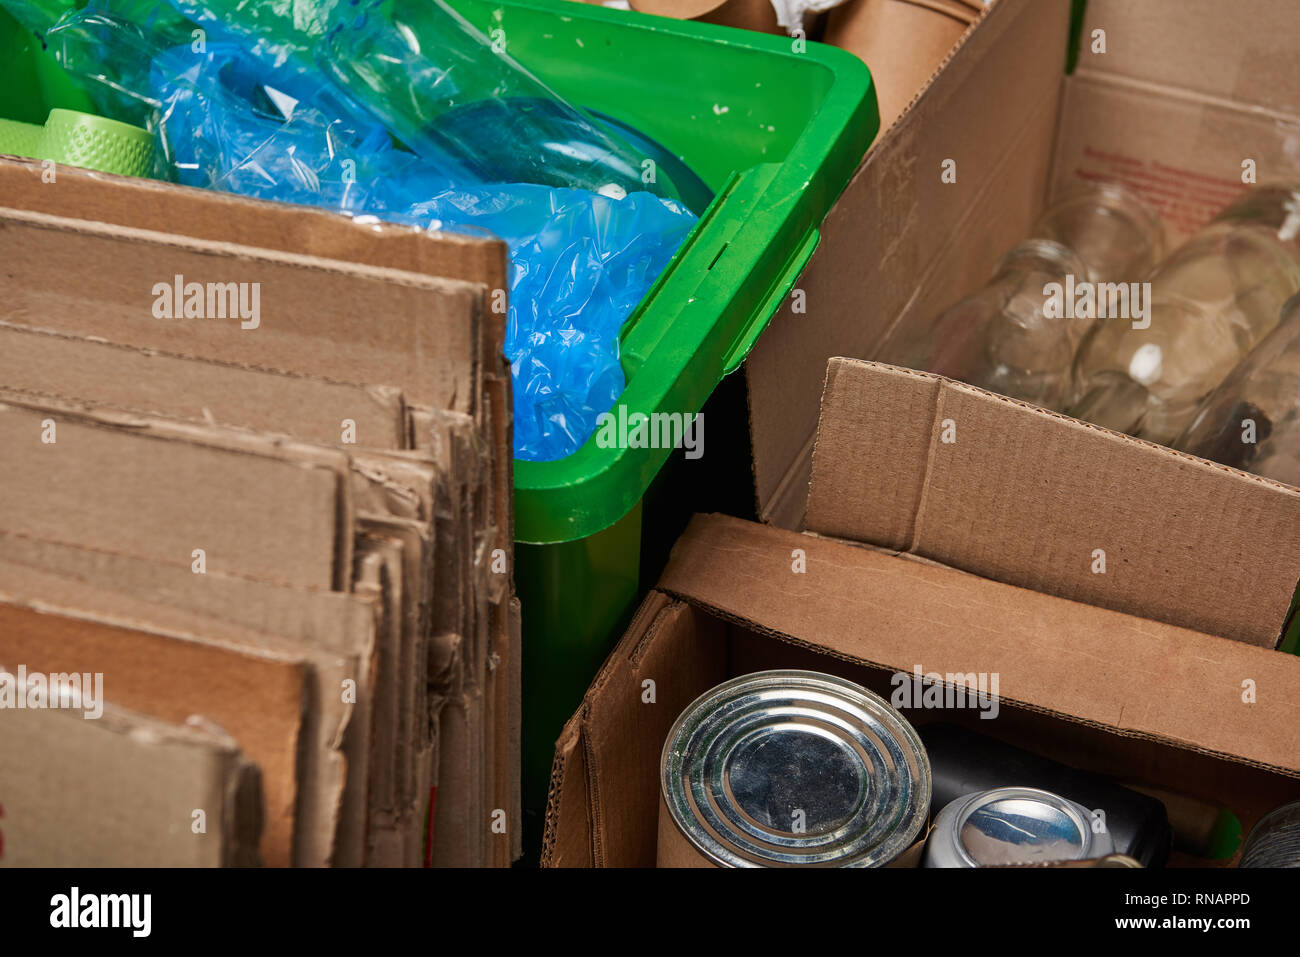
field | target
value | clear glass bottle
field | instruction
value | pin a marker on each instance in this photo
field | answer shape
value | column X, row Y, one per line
column 1000, row 337
column 1114, row 231
column 1210, row 302
column 1252, row 420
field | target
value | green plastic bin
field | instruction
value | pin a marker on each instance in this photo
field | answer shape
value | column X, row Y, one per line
column 776, row 131
column 31, row 83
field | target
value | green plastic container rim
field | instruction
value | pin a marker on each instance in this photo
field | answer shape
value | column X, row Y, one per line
column 706, row 311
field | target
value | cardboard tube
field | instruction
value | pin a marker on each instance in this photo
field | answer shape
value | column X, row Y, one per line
column 902, row 41
column 757, row 15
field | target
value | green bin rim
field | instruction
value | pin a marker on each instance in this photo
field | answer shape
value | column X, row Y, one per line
column 780, row 207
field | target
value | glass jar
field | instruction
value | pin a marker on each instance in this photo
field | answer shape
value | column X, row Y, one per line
column 1210, row 302
column 1252, row 420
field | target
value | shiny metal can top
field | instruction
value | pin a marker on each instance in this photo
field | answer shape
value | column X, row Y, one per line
column 787, row 768
column 1013, row 826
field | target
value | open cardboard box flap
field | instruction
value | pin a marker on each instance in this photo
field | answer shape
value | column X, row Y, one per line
column 914, row 462
column 1127, row 674
column 1135, row 698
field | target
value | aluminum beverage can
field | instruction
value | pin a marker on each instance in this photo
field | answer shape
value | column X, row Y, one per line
column 1014, row 826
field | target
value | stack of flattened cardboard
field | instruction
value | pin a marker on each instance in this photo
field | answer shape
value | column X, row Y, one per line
column 255, row 496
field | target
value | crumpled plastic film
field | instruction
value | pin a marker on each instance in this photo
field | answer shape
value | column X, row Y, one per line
column 580, row 264
column 225, row 125
column 438, row 84
column 580, row 261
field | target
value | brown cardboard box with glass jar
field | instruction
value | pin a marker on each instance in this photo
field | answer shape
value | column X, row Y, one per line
column 1182, row 102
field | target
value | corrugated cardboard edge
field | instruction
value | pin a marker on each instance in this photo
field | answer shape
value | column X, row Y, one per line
column 574, row 797
column 219, row 442
column 209, row 214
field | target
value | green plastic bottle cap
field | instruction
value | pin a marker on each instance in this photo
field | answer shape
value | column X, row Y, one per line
column 82, row 139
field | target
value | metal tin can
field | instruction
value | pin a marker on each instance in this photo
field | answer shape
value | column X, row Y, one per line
column 790, row 768
column 1275, row 840
column 1013, row 826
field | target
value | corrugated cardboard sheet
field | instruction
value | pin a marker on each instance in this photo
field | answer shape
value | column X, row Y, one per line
column 338, row 469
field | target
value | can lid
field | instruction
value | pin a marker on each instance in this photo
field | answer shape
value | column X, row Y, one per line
column 785, row 768
column 1013, row 825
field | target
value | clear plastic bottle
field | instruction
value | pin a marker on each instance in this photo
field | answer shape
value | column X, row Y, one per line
column 1252, row 420
column 1000, row 338
column 1210, row 302
column 444, row 88
column 1113, row 230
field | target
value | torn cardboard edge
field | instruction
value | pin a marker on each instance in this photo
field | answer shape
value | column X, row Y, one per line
column 327, row 716
column 298, row 534
column 423, row 334
column 408, row 484
column 157, row 214
column 172, row 677
column 209, row 214
column 44, row 363
column 378, row 473
column 328, row 622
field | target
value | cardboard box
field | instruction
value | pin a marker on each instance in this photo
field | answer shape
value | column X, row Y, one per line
column 948, row 558
column 920, row 464
column 904, row 42
column 1182, row 95
column 1125, row 696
